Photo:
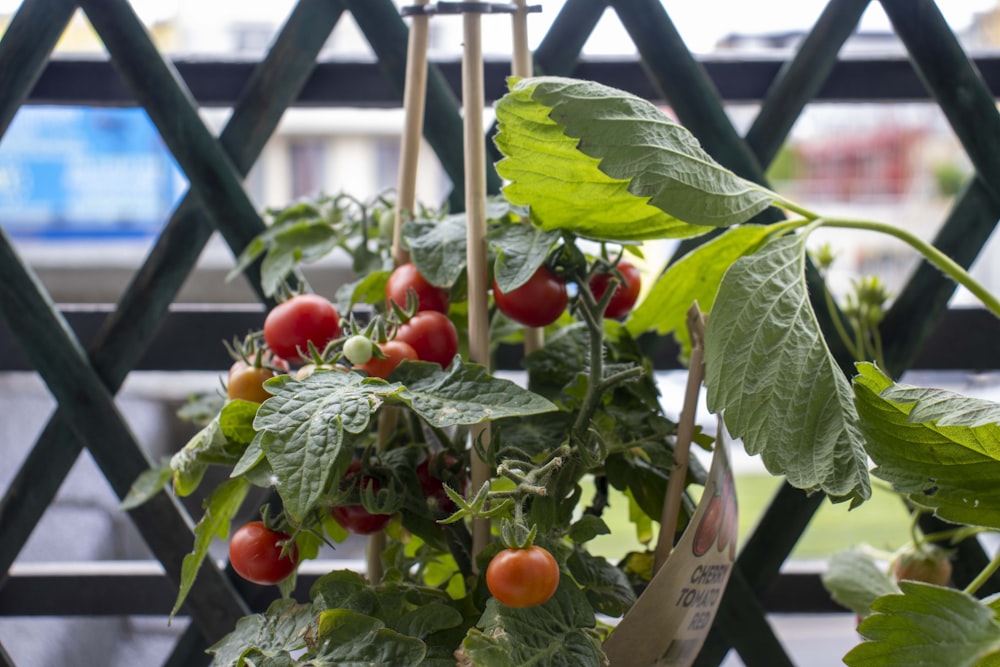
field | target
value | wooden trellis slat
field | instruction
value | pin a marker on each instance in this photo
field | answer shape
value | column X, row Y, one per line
column 558, row 52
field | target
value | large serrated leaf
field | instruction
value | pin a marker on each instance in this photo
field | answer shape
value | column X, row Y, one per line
column 606, row 164
column 220, row 508
column 694, row 277
column 773, row 379
column 349, row 639
column 306, row 424
column 952, row 469
column 438, row 248
column 275, row 634
column 464, row 393
column 607, row 588
column 559, row 633
column 855, row 581
column 927, row 625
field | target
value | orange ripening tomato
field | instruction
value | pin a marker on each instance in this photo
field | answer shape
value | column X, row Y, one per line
column 523, row 577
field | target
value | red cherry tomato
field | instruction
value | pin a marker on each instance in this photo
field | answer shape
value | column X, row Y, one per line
column 537, row 303
column 432, row 335
column 247, row 382
column 290, row 325
column 256, row 555
column 355, row 517
column 523, row 577
column 433, row 472
column 395, row 352
column 626, row 293
column 406, row 277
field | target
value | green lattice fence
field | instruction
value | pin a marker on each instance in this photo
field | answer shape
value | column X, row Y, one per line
column 84, row 379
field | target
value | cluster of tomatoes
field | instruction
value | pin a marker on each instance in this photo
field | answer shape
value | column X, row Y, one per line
column 306, row 324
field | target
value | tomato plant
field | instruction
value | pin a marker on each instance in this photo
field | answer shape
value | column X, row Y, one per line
column 405, row 278
column 392, row 353
column 537, row 303
column 524, row 577
column 353, row 516
column 302, row 319
column 626, row 291
column 432, row 336
column 260, row 555
column 434, row 472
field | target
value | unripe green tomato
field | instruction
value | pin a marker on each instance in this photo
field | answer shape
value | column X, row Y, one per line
column 358, row 349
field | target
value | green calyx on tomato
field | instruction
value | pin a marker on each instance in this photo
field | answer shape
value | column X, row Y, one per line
column 303, row 319
column 537, row 303
column 522, row 578
column 354, row 517
column 261, row 555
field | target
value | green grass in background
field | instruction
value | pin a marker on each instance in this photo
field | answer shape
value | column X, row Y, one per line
column 882, row 522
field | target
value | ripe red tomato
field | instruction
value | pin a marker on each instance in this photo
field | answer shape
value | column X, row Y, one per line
column 626, row 293
column 256, row 555
column 432, row 335
column 406, row 277
column 291, row 324
column 355, row 517
column 247, row 382
column 523, row 577
column 395, row 351
column 537, row 303
column 433, row 472
column 929, row 564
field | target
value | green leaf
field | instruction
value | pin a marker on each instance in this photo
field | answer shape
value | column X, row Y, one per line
column 607, row 588
column 220, row 508
column 370, row 289
column 587, row 528
column 951, row 469
column 771, row 376
column 307, row 424
column 302, row 241
column 438, row 248
column 236, row 421
column 464, row 393
column 927, row 625
column 606, row 164
column 855, row 580
column 521, row 248
column 427, row 619
column 559, row 633
column 147, row 485
column 349, row 639
column 209, row 446
column 694, row 277
column 947, row 408
column 275, row 634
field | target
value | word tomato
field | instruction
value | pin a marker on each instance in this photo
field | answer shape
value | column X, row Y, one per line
column 537, row 303
column 293, row 324
column 255, row 552
column 523, row 577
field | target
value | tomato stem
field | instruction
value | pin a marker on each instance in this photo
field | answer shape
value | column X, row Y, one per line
column 984, row 575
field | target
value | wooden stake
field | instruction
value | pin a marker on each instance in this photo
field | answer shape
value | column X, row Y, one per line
column 475, row 210
column 685, row 434
column 414, row 100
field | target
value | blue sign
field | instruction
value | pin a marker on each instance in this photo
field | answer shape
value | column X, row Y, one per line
column 69, row 171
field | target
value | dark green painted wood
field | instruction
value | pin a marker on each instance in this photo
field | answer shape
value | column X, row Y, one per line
column 802, row 77
column 25, row 48
column 189, row 651
column 158, row 87
column 5, row 659
column 125, row 333
column 90, row 409
column 559, row 50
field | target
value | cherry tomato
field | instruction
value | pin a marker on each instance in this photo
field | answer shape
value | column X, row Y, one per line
column 626, row 293
column 929, row 564
column 432, row 335
column 395, row 351
column 355, row 517
column 433, row 472
column 256, row 555
column 247, row 382
column 358, row 349
column 523, row 577
column 292, row 324
column 707, row 531
column 406, row 277
column 537, row 303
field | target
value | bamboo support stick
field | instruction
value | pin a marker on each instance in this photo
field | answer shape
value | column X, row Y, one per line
column 685, row 434
column 475, row 205
column 414, row 101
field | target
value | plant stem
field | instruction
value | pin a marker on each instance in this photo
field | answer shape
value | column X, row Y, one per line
column 946, row 264
column 983, row 576
column 838, row 323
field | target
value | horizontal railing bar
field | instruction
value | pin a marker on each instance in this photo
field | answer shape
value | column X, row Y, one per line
column 190, row 339
column 140, row 588
column 92, row 81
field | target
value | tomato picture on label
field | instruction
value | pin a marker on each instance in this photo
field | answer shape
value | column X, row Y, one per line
column 707, row 531
column 522, row 578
